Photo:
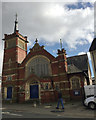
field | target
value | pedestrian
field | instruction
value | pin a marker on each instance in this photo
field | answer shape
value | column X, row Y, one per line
column 60, row 100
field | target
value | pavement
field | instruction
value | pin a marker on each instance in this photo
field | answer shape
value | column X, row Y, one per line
column 72, row 110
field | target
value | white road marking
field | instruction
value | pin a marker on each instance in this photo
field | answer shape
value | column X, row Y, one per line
column 15, row 114
column 2, row 108
column 5, row 112
column 11, row 113
column 47, row 106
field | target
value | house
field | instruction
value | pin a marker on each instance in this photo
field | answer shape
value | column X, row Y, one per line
column 78, row 74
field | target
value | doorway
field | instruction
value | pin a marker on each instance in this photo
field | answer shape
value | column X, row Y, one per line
column 9, row 92
column 34, row 91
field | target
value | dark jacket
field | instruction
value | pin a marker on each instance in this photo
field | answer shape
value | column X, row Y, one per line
column 59, row 95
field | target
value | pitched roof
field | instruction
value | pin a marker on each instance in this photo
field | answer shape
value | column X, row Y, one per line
column 77, row 63
column 93, row 45
column 73, row 69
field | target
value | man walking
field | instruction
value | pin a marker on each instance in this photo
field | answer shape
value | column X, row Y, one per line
column 60, row 100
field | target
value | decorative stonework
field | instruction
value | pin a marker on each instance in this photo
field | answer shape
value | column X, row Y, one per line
column 46, row 86
column 36, row 47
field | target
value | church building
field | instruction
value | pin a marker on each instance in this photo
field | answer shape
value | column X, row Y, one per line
column 38, row 75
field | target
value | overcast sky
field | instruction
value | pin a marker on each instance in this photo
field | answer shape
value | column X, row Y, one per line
column 51, row 21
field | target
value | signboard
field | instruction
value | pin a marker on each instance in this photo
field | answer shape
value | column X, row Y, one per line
column 76, row 92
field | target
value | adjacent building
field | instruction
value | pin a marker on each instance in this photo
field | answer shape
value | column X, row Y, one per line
column 38, row 75
column 0, row 83
column 92, row 51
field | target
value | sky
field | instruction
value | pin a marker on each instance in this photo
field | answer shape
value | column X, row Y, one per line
column 72, row 22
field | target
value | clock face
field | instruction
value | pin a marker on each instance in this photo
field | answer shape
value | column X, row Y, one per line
column 10, row 43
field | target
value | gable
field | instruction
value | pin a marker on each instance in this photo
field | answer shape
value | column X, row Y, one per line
column 38, row 50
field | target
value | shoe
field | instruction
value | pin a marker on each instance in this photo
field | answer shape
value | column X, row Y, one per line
column 57, row 108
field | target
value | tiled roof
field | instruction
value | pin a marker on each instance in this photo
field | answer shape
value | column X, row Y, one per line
column 73, row 69
column 77, row 63
column 93, row 45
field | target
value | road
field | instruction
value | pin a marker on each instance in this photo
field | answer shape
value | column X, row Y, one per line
column 28, row 115
column 72, row 110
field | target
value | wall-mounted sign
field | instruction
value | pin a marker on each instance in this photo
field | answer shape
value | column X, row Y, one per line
column 76, row 92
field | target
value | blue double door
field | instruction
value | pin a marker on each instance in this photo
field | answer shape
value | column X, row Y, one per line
column 9, row 92
column 34, row 91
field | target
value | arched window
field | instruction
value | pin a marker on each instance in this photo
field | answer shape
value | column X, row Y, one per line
column 39, row 65
column 75, row 83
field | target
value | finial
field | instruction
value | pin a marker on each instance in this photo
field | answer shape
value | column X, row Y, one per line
column 16, row 24
column 36, row 40
column 16, row 16
column 61, row 43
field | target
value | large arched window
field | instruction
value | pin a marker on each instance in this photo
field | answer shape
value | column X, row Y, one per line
column 39, row 65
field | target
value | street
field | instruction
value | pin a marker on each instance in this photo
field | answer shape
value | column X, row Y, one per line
column 72, row 110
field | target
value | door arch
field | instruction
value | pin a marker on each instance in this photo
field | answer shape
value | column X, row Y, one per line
column 32, row 89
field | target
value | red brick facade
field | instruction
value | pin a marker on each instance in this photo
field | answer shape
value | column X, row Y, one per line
column 16, row 73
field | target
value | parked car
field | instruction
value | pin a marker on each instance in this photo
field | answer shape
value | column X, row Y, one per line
column 90, row 102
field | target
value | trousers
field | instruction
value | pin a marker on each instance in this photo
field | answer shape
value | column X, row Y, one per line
column 60, row 101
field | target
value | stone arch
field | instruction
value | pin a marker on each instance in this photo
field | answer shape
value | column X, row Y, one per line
column 38, row 65
column 33, row 80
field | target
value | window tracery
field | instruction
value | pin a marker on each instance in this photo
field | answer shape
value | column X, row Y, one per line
column 40, row 66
